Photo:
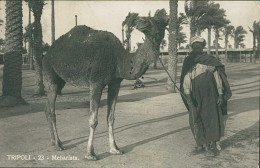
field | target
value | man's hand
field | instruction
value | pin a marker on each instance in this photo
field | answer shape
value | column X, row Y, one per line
column 220, row 99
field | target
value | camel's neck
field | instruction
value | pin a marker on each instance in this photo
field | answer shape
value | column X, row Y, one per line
column 135, row 65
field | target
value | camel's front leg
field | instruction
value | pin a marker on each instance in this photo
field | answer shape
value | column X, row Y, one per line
column 95, row 96
column 113, row 90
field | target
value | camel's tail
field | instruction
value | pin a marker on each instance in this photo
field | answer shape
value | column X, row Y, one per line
column 60, row 83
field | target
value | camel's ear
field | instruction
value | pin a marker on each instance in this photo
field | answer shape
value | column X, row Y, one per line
column 161, row 17
column 143, row 24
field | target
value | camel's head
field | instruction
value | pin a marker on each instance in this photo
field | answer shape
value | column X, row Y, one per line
column 154, row 27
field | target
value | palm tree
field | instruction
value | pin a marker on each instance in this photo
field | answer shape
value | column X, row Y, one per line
column 255, row 30
column 129, row 23
column 2, row 41
column 173, row 57
column 123, row 34
column 242, row 45
column 37, row 6
column 181, row 38
column 213, row 18
column 52, row 22
column 28, row 34
column 30, row 46
column 29, row 31
column 163, row 44
column 194, row 10
column 227, row 31
column 238, row 34
column 12, row 72
column 222, row 22
column 25, row 41
column 182, row 19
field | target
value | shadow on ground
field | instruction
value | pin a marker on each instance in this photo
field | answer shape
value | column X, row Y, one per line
column 123, row 128
column 243, row 105
column 130, row 147
column 249, row 134
column 39, row 107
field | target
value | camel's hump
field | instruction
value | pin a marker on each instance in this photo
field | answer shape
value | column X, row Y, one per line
column 82, row 37
column 82, row 45
column 84, row 33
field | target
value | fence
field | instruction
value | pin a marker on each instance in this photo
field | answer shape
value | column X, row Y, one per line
column 233, row 55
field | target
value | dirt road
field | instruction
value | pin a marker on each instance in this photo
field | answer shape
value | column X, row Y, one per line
column 151, row 127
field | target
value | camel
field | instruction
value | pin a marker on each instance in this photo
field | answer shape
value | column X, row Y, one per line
column 90, row 58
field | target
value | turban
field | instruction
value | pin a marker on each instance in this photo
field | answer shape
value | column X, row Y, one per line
column 197, row 39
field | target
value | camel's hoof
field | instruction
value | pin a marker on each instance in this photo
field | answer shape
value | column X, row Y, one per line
column 59, row 147
column 91, row 157
column 115, row 152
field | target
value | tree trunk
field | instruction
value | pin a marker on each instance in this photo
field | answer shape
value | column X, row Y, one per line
column 52, row 22
column 155, row 64
column 128, row 42
column 25, row 44
column 173, row 57
column 235, row 42
column 198, row 32
column 30, row 50
column 192, row 23
column 123, row 37
column 216, row 41
column 209, row 40
column 257, row 47
column 240, row 56
column 192, row 29
column 37, row 46
column 12, row 72
column 226, row 44
column 254, row 47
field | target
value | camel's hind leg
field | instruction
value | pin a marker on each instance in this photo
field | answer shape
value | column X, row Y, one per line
column 95, row 96
column 113, row 90
column 50, row 83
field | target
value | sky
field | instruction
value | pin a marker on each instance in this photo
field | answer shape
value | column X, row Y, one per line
column 108, row 15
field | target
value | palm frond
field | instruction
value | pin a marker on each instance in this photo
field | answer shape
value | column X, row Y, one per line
column 130, row 22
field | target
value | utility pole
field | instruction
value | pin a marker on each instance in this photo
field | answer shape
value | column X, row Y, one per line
column 52, row 22
column 76, row 20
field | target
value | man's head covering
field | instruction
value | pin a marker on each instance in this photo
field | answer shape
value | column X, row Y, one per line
column 197, row 39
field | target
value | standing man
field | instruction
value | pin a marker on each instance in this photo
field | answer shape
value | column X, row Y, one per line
column 205, row 84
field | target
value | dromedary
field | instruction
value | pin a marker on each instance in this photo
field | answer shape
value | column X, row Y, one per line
column 92, row 58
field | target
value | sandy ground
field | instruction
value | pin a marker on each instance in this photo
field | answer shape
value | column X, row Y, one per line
column 151, row 127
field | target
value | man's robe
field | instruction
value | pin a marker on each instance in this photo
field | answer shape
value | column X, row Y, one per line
column 204, row 96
